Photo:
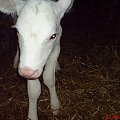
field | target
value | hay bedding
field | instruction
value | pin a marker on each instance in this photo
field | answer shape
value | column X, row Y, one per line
column 87, row 85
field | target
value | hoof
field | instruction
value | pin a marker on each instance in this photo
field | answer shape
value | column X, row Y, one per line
column 56, row 112
column 55, row 109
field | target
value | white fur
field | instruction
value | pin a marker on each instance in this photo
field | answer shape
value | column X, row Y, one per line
column 37, row 21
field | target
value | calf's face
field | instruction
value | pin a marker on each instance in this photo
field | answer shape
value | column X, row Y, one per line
column 38, row 29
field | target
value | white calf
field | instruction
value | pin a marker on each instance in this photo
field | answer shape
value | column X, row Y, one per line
column 39, row 32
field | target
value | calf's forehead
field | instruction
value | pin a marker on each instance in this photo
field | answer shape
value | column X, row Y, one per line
column 37, row 16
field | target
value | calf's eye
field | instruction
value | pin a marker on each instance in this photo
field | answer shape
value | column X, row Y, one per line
column 53, row 36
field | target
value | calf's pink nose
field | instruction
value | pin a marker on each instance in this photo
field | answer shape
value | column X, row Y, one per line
column 29, row 73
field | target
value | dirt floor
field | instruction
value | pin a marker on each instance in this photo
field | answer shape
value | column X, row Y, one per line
column 88, row 83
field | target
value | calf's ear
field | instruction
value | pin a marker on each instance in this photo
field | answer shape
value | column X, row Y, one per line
column 11, row 6
column 64, row 6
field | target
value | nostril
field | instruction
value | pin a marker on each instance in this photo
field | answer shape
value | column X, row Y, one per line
column 35, row 74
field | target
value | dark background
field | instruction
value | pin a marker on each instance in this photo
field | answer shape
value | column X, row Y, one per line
column 95, row 21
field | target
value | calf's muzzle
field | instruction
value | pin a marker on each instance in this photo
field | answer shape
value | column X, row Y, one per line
column 28, row 73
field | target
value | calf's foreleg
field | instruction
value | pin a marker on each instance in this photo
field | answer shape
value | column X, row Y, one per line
column 49, row 78
column 16, row 59
column 34, row 90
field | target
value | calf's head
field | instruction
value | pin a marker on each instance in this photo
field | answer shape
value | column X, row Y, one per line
column 38, row 27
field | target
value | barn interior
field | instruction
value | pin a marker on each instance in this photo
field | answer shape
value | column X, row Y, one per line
column 88, row 83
